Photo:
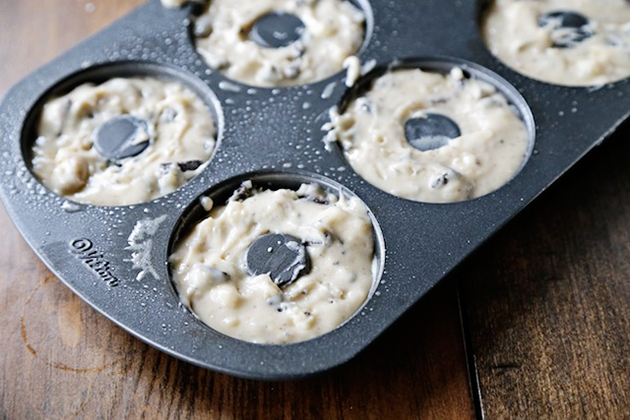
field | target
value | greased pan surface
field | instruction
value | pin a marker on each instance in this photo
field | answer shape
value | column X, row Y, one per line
column 274, row 138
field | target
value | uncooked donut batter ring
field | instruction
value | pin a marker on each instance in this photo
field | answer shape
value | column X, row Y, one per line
column 565, row 42
column 469, row 139
column 227, row 35
column 210, row 265
column 168, row 130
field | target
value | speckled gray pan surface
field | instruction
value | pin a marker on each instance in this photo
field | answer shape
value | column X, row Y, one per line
column 274, row 137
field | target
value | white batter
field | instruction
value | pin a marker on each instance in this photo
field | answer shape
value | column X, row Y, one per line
column 179, row 3
column 180, row 129
column 334, row 30
column 490, row 151
column 512, row 32
column 208, row 265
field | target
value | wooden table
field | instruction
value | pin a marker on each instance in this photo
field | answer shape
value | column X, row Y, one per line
column 535, row 325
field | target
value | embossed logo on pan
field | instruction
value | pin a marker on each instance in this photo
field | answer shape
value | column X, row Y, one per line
column 84, row 250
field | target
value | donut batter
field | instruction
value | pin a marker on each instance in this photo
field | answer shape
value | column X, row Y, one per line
column 208, row 265
column 333, row 30
column 517, row 32
column 179, row 3
column 488, row 153
column 179, row 129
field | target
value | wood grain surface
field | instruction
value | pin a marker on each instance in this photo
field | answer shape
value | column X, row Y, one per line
column 62, row 360
column 547, row 299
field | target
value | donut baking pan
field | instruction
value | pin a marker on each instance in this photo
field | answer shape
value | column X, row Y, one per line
column 115, row 258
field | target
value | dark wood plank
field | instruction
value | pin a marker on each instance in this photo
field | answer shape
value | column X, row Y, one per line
column 547, row 300
column 61, row 359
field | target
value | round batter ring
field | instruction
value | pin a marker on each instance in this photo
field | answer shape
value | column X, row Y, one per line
column 208, row 264
column 372, row 136
column 514, row 34
column 180, row 131
column 334, row 31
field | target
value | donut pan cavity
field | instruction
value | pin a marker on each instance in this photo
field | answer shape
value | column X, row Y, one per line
column 274, row 137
